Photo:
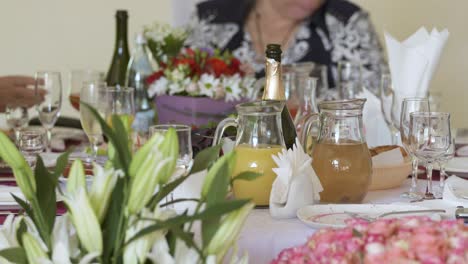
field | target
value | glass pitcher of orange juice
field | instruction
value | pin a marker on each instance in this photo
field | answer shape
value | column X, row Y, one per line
column 259, row 136
column 340, row 156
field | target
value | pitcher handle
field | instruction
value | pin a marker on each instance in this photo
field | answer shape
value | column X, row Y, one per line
column 225, row 123
column 309, row 121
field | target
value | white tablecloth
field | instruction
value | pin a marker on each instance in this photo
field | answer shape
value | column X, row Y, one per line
column 264, row 237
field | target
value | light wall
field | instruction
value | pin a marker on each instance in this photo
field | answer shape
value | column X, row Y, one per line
column 401, row 18
column 63, row 35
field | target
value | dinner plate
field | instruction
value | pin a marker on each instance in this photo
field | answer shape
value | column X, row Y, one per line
column 335, row 215
column 457, row 165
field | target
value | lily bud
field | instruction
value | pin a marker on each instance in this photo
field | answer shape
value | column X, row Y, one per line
column 85, row 221
column 156, row 168
column 33, row 249
column 23, row 173
column 76, row 177
column 227, row 233
column 142, row 154
column 228, row 160
column 101, row 190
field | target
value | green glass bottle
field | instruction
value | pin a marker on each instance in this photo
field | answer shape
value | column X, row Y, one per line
column 118, row 68
column 274, row 90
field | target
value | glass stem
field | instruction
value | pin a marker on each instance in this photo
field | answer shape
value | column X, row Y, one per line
column 414, row 175
column 442, row 175
column 17, row 136
column 429, row 195
column 49, row 140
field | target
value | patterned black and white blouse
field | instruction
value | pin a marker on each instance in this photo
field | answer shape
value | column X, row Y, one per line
column 338, row 30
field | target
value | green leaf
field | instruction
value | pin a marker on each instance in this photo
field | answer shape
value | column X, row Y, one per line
column 205, row 159
column 61, row 164
column 215, row 210
column 46, row 197
column 180, row 200
column 22, row 228
column 246, row 176
column 26, row 207
column 218, row 188
column 14, row 255
column 164, row 191
column 112, row 221
column 356, row 233
column 188, row 239
column 122, row 137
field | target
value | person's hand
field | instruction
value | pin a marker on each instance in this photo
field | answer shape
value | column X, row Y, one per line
column 14, row 91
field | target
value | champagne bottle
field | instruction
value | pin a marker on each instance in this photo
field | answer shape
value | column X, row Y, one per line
column 274, row 90
column 118, row 67
column 140, row 66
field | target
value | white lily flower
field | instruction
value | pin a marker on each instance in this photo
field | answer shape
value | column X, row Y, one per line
column 85, row 221
column 33, row 248
column 227, row 233
column 137, row 251
column 175, row 87
column 101, row 190
column 207, row 84
column 76, row 177
column 64, row 241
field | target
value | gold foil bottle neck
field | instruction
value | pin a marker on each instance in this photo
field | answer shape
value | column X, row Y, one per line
column 274, row 89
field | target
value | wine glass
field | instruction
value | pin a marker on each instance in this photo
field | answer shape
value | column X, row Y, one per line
column 92, row 94
column 410, row 105
column 17, row 118
column 77, row 78
column 32, row 141
column 185, row 160
column 429, row 138
column 120, row 102
column 442, row 161
column 48, row 109
column 388, row 106
column 349, row 79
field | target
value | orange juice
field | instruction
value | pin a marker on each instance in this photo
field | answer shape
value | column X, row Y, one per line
column 257, row 159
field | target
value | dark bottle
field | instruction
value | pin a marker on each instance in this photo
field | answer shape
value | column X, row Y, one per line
column 118, row 67
column 274, row 90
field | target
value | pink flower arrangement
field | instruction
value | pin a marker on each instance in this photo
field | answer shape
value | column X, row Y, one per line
column 404, row 240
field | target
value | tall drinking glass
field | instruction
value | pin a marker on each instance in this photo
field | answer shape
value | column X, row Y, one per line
column 48, row 109
column 430, row 138
column 92, row 94
column 17, row 118
column 408, row 106
column 120, row 102
column 77, row 78
column 32, row 141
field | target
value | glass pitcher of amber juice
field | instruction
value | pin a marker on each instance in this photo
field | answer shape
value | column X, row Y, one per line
column 259, row 136
column 340, row 156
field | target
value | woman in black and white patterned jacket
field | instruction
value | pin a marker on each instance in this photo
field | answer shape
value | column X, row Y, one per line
column 320, row 31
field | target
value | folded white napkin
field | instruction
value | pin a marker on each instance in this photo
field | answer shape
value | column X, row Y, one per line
column 456, row 191
column 375, row 129
column 6, row 191
column 414, row 61
column 296, row 184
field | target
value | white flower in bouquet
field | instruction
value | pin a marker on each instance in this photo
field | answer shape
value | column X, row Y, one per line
column 158, row 87
column 192, row 87
column 232, row 87
column 208, row 84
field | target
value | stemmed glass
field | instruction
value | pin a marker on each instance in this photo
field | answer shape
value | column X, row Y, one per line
column 93, row 94
column 442, row 161
column 17, row 117
column 77, row 79
column 410, row 105
column 120, row 101
column 430, row 138
column 349, row 79
column 388, row 106
column 49, row 109
column 185, row 160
